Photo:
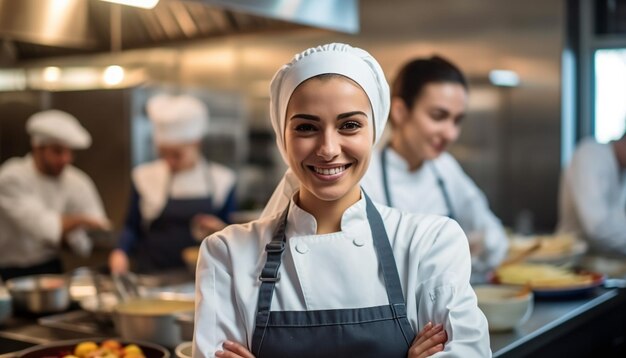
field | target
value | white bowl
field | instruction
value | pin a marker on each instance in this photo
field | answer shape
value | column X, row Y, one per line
column 506, row 307
column 183, row 350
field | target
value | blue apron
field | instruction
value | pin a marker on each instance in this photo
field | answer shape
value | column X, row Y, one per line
column 169, row 234
column 380, row 331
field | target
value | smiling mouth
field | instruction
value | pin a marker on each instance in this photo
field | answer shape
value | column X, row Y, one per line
column 329, row 171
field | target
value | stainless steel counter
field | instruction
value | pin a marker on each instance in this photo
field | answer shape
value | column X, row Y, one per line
column 598, row 320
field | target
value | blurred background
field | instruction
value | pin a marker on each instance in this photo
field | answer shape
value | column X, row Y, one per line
column 535, row 70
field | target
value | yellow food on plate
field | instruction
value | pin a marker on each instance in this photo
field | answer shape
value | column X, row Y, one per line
column 132, row 349
column 84, row 348
column 541, row 275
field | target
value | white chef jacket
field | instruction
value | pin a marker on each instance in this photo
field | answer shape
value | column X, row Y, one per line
column 31, row 205
column 418, row 192
column 592, row 200
column 336, row 271
column 155, row 184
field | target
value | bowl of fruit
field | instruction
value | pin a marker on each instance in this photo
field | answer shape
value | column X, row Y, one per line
column 96, row 348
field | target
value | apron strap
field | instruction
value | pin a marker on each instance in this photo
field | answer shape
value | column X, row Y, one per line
column 269, row 276
column 385, row 258
column 389, row 269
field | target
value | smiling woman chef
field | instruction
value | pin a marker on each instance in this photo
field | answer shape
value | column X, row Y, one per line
column 331, row 274
column 415, row 173
column 176, row 193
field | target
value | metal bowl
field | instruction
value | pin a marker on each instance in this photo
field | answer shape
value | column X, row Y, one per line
column 40, row 293
column 185, row 321
column 150, row 319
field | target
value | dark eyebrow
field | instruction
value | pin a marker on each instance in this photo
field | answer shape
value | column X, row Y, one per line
column 316, row 118
column 350, row 114
column 305, row 116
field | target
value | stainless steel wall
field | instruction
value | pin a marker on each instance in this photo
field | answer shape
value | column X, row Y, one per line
column 511, row 139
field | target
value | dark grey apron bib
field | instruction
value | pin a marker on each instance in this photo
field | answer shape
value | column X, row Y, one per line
column 381, row 331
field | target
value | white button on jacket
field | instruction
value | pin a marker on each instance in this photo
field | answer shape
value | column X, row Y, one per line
column 431, row 254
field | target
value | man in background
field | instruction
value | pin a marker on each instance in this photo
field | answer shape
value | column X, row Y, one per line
column 593, row 195
column 45, row 201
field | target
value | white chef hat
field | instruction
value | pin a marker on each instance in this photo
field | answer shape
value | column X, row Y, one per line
column 335, row 58
column 177, row 119
column 54, row 126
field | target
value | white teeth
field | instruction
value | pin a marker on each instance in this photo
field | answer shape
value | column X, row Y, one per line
column 331, row 171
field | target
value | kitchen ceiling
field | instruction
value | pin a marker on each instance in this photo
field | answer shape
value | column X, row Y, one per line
column 35, row 29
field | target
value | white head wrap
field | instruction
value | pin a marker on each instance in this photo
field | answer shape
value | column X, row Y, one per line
column 177, row 119
column 54, row 126
column 335, row 58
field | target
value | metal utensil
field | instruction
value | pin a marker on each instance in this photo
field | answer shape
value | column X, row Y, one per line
column 126, row 286
column 40, row 293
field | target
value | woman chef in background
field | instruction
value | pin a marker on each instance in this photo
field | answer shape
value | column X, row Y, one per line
column 414, row 173
column 330, row 274
column 176, row 194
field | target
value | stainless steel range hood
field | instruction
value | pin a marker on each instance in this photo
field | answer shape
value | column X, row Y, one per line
column 32, row 29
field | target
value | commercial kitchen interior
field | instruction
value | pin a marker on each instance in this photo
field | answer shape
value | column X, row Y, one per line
column 519, row 133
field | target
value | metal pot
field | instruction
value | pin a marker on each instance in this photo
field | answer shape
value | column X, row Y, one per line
column 40, row 293
column 151, row 319
column 185, row 322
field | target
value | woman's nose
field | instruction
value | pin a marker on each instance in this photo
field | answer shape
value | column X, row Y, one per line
column 329, row 146
column 451, row 131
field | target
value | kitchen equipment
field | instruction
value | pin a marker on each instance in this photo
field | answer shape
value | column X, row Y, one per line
column 151, row 319
column 185, row 321
column 40, row 293
column 55, row 349
column 183, row 350
column 505, row 307
column 100, row 305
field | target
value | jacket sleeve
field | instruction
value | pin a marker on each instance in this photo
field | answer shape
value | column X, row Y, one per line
column 131, row 233
column 476, row 219
column 448, row 298
column 26, row 210
column 84, row 198
column 216, row 315
column 597, row 200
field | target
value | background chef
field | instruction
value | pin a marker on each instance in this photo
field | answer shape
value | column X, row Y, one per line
column 415, row 173
column 176, row 194
column 593, row 195
column 45, row 201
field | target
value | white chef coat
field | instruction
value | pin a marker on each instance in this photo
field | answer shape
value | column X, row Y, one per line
column 339, row 270
column 155, row 183
column 592, row 200
column 31, row 205
column 418, row 192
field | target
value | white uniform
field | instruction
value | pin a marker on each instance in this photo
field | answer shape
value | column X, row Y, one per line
column 419, row 192
column 31, row 205
column 339, row 270
column 156, row 184
column 592, row 199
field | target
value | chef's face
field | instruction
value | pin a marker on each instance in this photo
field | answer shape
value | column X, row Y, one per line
column 180, row 157
column 434, row 122
column 329, row 136
column 51, row 159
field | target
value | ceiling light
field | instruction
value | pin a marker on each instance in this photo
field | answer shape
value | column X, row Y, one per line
column 51, row 74
column 113, row 75
column 146, row 4
column 504, row 78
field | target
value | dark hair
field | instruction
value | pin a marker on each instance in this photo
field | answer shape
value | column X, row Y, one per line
column 416, row 74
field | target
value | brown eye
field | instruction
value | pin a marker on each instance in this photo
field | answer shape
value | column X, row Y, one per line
column 351, row 125
column 305, row 127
